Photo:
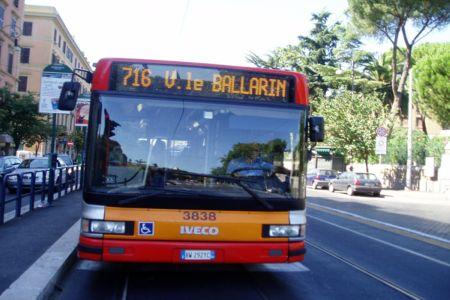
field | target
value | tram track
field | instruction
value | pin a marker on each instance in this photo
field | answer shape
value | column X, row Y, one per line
column 365, row 271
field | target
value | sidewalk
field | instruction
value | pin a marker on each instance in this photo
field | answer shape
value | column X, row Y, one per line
column 425, row 213
column 416, row 195
column 25, row 239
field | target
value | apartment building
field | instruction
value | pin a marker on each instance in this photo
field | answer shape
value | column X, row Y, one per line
column 46, row 40
column 11, row 16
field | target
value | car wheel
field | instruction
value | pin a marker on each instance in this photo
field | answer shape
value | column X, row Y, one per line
column 376, row 194
column 12, row 190
column 314, row 185
column 331, row 188
column 350, row 191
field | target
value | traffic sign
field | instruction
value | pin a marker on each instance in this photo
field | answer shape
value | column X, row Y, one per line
column 53, row 78
column 381, row 131
column 380, row 145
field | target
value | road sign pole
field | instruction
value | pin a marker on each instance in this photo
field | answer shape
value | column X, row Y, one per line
column 52, row 145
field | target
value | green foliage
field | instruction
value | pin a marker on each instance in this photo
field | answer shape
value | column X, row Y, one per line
column 390, row 19
column 351, row 120
column 422, row 147
column 77, row 137
column 331, row 58
column 435, row 148
column 312, row 51
column 20, row 118
column 432, row 82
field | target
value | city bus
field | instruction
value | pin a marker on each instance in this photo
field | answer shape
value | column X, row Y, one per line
column 194, row 163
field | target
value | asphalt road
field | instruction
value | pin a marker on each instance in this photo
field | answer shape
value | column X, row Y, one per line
column 345, row 260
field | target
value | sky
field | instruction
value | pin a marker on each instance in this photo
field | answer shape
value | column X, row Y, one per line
column 210, row 31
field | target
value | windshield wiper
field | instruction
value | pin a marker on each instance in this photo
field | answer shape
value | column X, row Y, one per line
column 156, row 192
column 237, row 181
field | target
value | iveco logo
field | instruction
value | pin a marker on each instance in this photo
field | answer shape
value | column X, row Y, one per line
column 199, row 230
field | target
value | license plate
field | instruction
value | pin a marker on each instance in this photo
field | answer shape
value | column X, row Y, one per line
column 197, row 255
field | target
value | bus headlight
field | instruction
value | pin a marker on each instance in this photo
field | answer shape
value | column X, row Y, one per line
column 290, row 231
column 105, row 227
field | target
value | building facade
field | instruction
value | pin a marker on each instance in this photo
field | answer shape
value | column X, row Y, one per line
column 46, row 40
column 11, row 16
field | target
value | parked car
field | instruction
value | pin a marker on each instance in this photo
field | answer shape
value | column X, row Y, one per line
column 319, row 178
column 34, row 165
column 67, row 159
column 353, row 182
column 8, row 164
column 69, row 163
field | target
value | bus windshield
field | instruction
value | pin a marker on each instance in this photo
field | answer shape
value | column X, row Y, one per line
column 147, row 144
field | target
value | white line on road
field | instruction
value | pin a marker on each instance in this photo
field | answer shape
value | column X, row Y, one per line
column 383, row 242
column 125, row 288
column 381, row 223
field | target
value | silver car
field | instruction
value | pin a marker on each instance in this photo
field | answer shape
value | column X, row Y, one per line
column 37, row 165
column 355, row 182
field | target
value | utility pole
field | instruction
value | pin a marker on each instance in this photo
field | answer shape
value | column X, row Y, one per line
column 410, row 124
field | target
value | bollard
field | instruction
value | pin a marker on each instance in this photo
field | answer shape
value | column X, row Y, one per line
column 51, row 186
column 44, row 186
column 19, row 196
column 2, row 199
column 32, row 190
column 59, row 182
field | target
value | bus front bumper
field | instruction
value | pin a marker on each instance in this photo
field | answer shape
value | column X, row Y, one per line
column 171, row 251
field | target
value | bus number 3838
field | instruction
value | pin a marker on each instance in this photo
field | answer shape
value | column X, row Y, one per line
column 199, row 216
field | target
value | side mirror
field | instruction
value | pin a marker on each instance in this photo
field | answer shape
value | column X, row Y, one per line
column 69, row 95
column 316, row 128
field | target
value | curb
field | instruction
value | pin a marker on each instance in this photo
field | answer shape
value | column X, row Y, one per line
column 39, row 280
column 423, row 237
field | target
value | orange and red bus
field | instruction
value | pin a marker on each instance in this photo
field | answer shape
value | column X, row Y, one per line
column 190, row 162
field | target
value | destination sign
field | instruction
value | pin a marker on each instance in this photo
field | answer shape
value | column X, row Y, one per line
column 175, row 80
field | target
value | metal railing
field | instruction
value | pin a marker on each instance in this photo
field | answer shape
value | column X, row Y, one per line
column 41, row 187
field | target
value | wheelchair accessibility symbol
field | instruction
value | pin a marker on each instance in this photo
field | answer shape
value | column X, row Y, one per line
column 146, row 228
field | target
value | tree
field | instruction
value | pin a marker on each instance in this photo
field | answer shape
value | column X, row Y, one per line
column 312, row 51
column 77, row 137
column 423, row 147
column 39, row 134
column 351, row 120
column 431, row 81
column 331, row 58
column 20, row 117
column 389, row 19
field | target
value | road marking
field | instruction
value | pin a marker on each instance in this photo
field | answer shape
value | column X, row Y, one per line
column 422, row 236
column 125, row 288
column 384, row 242
column 365, row 271
column 282, row 268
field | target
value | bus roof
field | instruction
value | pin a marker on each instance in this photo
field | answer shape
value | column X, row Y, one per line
column 102, row 75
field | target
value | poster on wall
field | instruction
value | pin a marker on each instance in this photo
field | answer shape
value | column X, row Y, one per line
column 82, row 111
column 53, row 78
